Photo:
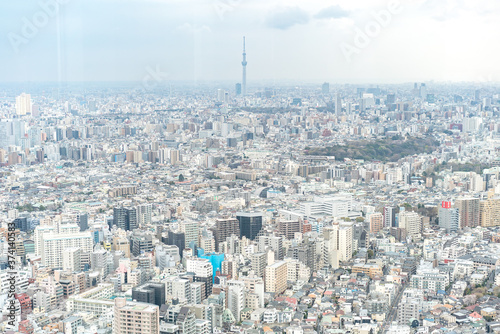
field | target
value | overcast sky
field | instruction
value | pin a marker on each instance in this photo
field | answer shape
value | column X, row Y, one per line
column 201, row 40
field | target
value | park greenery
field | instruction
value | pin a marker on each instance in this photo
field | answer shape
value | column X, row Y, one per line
column 389, row 149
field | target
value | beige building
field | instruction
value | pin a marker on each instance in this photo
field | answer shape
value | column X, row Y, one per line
column 468, row 208
column 411, row 222
column 276, row 275
column 120, row 243
column 376, row 222
column 489, row 212
column 135, row 318
column 23, row 104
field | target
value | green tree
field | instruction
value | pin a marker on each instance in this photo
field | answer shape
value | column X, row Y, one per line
column 181, row 178
column 370, row 254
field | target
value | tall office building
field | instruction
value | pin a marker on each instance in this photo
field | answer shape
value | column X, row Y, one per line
column 389, row 216
column 191, row 230
column 250, row 224
column 468, row 208
column 22, row 224
column 135, row 318
column 449, row 218
column 176, row 238
column 325, row 88
column 224, row 228
column 238, row 89
column 275, row 278
column 23, row 104
column 411, row 222
column 125, row 218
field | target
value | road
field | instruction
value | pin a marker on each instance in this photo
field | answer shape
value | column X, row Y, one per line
column 394, row 310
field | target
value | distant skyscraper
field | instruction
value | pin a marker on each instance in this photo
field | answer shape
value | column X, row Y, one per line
column 244, row 64
column 477, row 94
column 325, row 88
column 238, row 89
column 220, row 95
column 423, row 91
column 338, row 105
column 23, row 104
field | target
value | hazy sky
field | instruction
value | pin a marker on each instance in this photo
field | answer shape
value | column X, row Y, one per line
column 200, row 40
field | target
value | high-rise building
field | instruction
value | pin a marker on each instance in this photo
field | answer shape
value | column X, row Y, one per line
column 175, row 156
column 176, row 238
column 224, row 228
column 411, row 222
column 389, row 216
column 83, row 221
column 121, row 243
column 288, row 228
column 376, row 222
column 250, row 224
column 144, row 212
column 408, row 310
column 150, row 293
column 468, row 209
column 50, row 243
column 72, row 259
column 141, row 242
column 22, row 224
column 338, row 105
column 489, row 212
column 325, row 88
column 275, row 278
column 274, row 243
column 23, row 104
column 338, row 243
column 191, row 230
column 236, row 297
column 258, row 262
column 203, row 272
column 125, row 218
column 135, row 318
column 244, row 64
column 238, row 89
column 449, row 218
